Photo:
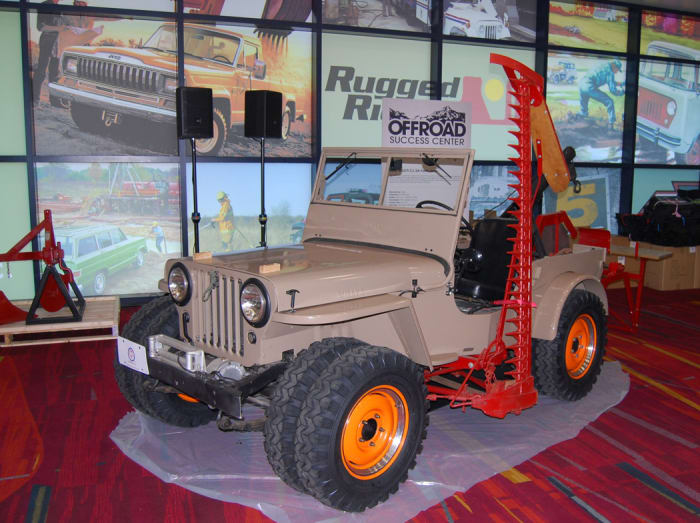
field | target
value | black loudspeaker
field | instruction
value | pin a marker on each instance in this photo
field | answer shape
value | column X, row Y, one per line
column 194, row 112
column 263, row 114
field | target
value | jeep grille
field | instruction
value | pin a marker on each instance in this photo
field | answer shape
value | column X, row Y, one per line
column 118, row 75
column 216, row 323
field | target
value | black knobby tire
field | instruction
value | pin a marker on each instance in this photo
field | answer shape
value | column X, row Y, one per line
column 159, row 316
column 287, row 397
column 348, row 455
column 568, row 366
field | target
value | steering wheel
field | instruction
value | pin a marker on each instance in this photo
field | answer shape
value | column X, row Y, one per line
column 221, row 58
column 465, row 224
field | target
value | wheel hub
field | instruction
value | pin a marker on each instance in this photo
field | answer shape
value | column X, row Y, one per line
column 581, row 346
column 374, row 432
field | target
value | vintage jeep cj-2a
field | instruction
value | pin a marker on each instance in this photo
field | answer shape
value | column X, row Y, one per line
column 344, row 339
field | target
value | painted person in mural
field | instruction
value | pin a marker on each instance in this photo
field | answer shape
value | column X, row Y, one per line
column 590, row 87
column 224, row 220
column 49, row 25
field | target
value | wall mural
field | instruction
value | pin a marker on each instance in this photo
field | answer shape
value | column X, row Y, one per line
column 117, row 222
column 109, row 85
column 492, row 19
column 588, row 25
column 585, row 95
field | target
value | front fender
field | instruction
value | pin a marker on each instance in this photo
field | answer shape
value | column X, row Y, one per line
column 549, row 306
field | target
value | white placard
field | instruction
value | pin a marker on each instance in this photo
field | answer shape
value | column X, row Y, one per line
column 132, row 355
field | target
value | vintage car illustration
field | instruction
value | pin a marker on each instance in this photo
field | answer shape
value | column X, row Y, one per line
column 562, row 73
column 101, row 85
column 669, row 102
column 475, row 19
column 95, row 252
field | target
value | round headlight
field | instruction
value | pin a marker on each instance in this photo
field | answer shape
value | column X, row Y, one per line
column 254, row 303
column 671, row 108
column 179, row 284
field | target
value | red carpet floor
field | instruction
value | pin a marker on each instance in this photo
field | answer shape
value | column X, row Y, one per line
column 638, row 462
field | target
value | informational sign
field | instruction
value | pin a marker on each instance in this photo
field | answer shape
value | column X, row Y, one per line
column 425, row 123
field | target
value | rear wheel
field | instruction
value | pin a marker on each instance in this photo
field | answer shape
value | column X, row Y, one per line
column 361, row 427
column 286, row 123
column 157, row 317
column 568, row 366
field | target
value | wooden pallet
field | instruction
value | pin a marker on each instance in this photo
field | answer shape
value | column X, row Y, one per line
column 100, row 322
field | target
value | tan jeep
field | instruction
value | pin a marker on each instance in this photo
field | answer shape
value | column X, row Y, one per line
column 101, row 85
column 339, row 339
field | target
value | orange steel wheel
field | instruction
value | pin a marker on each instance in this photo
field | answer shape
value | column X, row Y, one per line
column 374, row 432
column 581, row 346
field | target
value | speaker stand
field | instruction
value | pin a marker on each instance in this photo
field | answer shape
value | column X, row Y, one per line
column 262, row 218
column 195, row 211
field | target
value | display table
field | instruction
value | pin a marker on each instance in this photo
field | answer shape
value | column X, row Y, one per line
column 643, row 255
column 100, row 322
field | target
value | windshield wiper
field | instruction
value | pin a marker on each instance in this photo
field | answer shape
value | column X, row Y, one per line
column 346, row 161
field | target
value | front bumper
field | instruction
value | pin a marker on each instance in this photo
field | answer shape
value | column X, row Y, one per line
column 182, row 366
column 108, row 103
column 654, row 134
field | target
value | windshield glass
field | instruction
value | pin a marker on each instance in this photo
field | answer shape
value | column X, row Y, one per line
column 210, row 45
column 399, row 180
column 683, row 76
column 164, row 39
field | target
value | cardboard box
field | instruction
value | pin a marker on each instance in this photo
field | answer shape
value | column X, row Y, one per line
column 674, row 273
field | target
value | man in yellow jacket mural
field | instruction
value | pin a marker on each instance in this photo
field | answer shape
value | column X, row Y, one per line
column 225, row 221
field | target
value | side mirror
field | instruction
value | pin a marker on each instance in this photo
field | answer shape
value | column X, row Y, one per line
column 259, row 69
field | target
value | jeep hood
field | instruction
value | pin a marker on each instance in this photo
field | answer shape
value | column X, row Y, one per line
column 329, row 272
column 130, row 56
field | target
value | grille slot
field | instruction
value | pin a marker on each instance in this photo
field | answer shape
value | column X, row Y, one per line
column 491, row 31
column 651, row 110
column 118, row 75
column 214, row 325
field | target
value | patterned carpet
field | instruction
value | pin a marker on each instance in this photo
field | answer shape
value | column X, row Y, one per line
column 637, row 462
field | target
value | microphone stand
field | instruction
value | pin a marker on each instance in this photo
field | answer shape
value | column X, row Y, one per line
column 195, row 212
column 262, row 218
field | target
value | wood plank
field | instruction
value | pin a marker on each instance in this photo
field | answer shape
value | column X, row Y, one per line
column 101, row 313
column 649, row 254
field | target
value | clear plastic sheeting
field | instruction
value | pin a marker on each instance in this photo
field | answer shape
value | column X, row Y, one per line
column 461, row 450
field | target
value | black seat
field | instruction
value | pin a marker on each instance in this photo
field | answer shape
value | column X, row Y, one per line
column 483, row 266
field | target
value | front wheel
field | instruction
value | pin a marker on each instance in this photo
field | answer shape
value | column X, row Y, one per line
column 361, row 427
column 568, row 366
column 158, row 316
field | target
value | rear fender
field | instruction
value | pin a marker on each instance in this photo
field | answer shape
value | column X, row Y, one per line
column 546, row 314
